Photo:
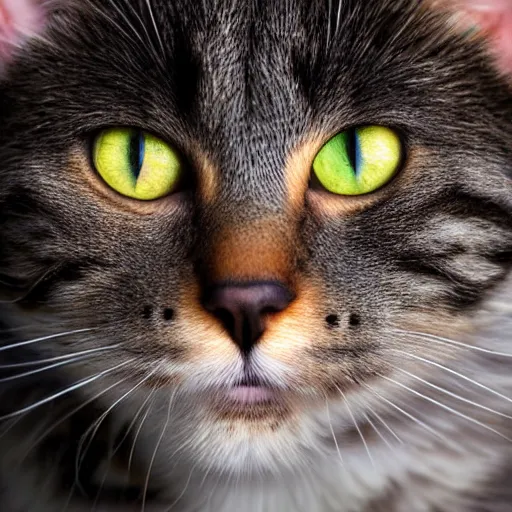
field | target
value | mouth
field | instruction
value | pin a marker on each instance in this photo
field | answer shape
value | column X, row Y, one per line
column 250, row 395
column 250, row 391
column 247, row 397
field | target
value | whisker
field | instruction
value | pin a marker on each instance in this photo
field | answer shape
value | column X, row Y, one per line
column 332, row 431
column 126, row 20
column 115, row 24
column 187, row 483
column 36, row 283
column 157, row 446
column 116, row 448
column 356, row 425
column 412, row 418
column 445, row 407
column 453, row 395
column 68, row 415
column 132, row 423
column 377, row 431
column 205, row 477
column 157, row 33
column 441, row 340
column 44, row 369
column 81, row 451
column 120, row 443
column 141, row 23
column 388, row 428
column 44, row 338
column 12, row 424
column 338, row 16
column 137, row 432
column 453, row 372
column 329, row 14
column 58, row 358
column 80, row 384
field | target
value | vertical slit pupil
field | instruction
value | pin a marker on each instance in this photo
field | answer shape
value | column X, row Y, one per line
column 353, row 149
column 136, row 152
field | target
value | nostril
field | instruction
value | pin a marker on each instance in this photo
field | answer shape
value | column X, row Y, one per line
column 225, row 317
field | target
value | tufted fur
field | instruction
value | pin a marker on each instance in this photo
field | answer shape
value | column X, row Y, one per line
column 393, row 362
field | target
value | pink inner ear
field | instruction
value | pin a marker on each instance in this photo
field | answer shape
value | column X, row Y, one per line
column 495, row 19
column 19, row 19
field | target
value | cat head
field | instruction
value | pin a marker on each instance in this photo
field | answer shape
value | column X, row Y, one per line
column 259, row 212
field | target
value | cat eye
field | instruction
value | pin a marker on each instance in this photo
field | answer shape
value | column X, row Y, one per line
column 136, row 164
column 358, row 161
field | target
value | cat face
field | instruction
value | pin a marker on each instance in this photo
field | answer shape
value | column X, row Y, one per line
column 251, row 303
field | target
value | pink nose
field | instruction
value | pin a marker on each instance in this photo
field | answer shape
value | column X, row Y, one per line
column 241, row 308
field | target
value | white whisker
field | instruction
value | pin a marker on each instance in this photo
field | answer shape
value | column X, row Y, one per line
column 132, row 423
column 44, row 369
column 329, row 15
column 97, row 424
column 377, row 431
column 387, row 427
column 32, row 286
column 357, row 426
column 71, row 413
column 137, row 432
column 126, row 20
column 338, row 16
column 187, row 483
column 157, row 446
column 116, row 448
column 453, row 372
column 445, row 407
column 58, row 358
column 140, row 20
column 157, row 32
column 413, row 418
column 441, row 340
column 115, row 24
column 454, row 395
column 44, row 338
column 332, row 432
column 80, row 384
column 13, row 423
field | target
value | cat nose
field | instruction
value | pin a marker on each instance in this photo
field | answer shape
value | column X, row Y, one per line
column 242, row 308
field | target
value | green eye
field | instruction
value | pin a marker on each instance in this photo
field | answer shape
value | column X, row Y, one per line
column 358, row 161
column 136, row 164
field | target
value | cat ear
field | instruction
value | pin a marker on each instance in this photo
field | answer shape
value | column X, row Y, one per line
column 19, row 20
column 493, row 18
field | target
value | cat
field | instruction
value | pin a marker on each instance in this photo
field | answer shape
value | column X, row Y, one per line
column 254, row 256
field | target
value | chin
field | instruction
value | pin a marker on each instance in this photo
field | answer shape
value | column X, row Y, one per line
column 242, row 439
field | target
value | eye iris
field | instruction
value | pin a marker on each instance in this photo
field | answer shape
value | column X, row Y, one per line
column 358, row 161
column 136, row 164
